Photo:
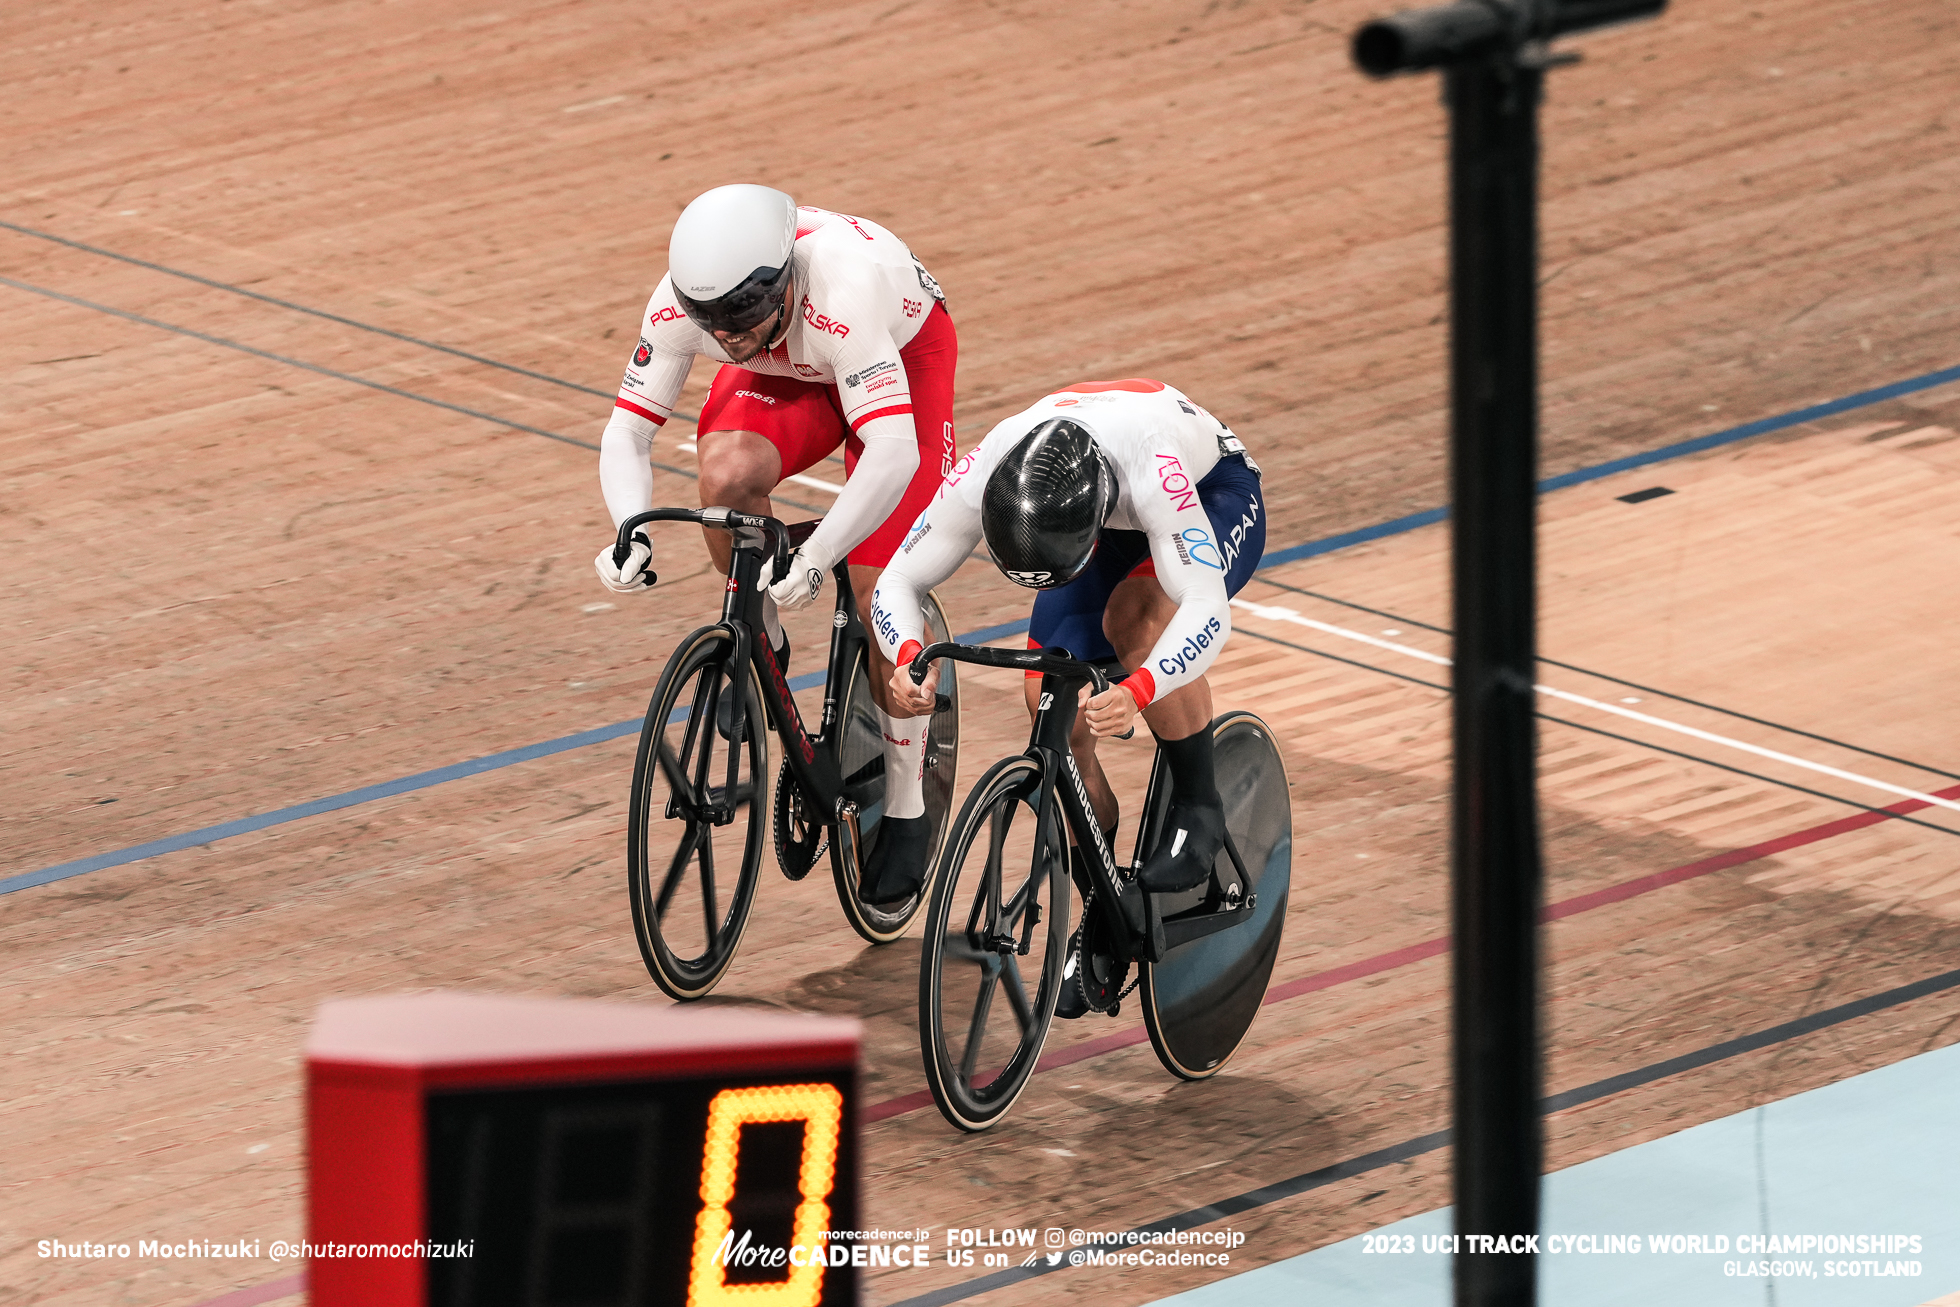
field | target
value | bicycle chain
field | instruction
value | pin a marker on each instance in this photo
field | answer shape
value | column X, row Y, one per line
column 789, row 850
column 1082, row 968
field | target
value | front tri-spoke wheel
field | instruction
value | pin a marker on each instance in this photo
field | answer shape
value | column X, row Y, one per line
column 996, row 939
column 697, row 820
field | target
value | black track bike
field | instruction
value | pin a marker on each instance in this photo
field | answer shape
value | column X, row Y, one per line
column 697, row 819
column 997, row 935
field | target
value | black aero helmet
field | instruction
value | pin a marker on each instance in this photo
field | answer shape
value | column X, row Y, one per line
column 1045, row 503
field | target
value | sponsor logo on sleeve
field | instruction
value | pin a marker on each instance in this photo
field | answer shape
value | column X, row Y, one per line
column 1188, row 652
column 919, row 531
column 856, row 225
column 670, row 313
column 882, row 620
column 913, row 308
column 1177, row 486
column 863, row 375
column 959, row 470
column 643, row 354
column 1194, row 546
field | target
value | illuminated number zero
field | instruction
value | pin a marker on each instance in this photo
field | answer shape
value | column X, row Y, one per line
column 821, row 1109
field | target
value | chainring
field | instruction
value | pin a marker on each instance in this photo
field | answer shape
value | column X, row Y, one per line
column 1101, row 969
column 800, row 838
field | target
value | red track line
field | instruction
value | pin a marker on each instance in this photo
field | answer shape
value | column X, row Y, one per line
column 1430, row 948
column 1319, row 980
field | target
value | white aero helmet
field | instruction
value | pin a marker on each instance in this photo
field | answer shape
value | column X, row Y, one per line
column 729, row 256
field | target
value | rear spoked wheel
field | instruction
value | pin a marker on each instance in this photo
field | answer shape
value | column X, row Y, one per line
column 996, row 940
column 697, row 819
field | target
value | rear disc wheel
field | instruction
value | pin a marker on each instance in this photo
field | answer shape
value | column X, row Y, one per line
column 1200, row 1000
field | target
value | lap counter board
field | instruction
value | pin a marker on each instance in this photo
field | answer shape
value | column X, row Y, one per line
column 475, row 1151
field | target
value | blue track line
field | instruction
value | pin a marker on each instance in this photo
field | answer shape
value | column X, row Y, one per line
column 333, row 803
column 1680, row 449
column 1313, row 548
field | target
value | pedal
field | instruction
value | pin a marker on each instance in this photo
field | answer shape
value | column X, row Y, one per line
column 849, row 838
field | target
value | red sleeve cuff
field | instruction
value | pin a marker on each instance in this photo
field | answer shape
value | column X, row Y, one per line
column 890, row 411
column 1141, row 685
column 907, row 652
column 647, row 413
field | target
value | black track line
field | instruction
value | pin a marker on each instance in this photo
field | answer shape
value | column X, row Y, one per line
column 1438, row 1139
column 356, row 323
column 1631, row 685
column 209, row 339
column 1614, row 735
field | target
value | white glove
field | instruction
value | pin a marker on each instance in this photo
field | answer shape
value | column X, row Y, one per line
column 633, row 578
column 800, row 585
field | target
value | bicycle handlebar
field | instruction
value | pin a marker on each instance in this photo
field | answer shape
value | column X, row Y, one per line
column 777, row 534
column 1058, row 661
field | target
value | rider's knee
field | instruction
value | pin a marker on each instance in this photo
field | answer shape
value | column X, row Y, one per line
column 1136, row 614
column 737, row 466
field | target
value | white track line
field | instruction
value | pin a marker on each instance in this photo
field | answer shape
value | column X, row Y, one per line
column 1276, row 614
column 829, row 487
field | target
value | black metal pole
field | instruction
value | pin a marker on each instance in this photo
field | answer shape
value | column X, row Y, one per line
column 1498, row 873
column 1493, row 56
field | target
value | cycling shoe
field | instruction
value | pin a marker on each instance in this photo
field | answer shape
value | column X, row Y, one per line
column 725, row 710
column 897, row 865
column 1193, row 835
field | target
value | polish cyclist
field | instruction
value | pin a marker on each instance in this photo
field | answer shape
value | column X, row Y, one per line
column 1137, row 515
column 829, row 332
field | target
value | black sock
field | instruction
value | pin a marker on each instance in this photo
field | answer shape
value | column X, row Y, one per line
column 1190, row 762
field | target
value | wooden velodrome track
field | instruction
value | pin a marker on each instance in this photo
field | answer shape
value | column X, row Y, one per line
column 234, row 584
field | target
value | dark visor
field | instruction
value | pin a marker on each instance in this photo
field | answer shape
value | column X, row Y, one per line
column 748, row 304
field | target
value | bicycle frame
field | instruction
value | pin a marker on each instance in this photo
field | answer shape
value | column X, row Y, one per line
column 1131, row 915
column 812, row 760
